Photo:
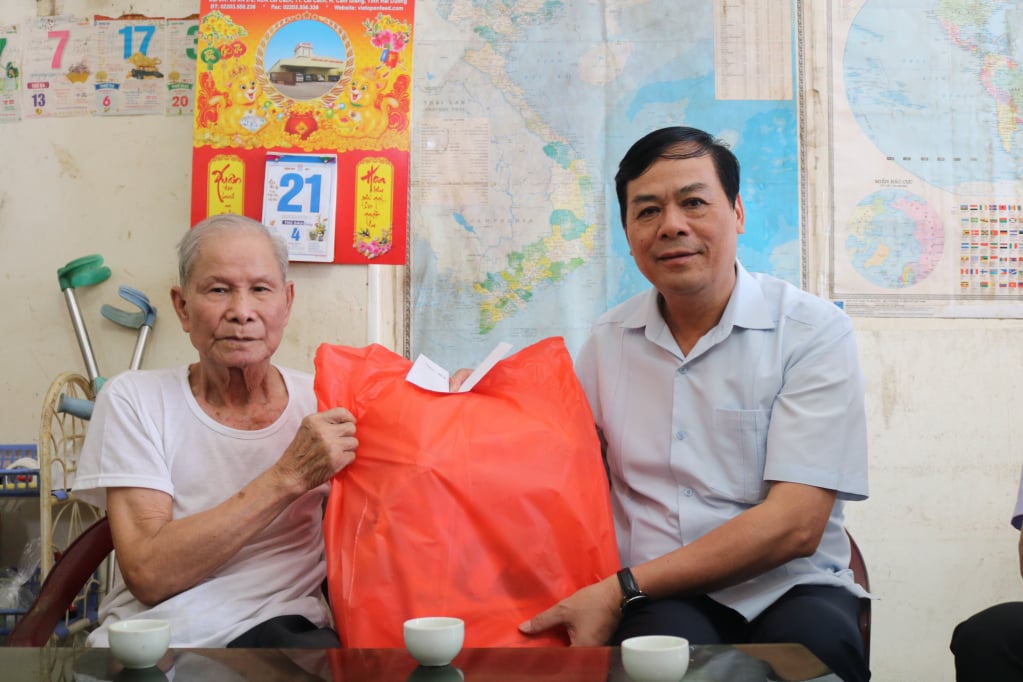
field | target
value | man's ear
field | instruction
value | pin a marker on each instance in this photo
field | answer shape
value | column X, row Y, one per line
column 289, row 288
column 740, row 214
column 178, row 300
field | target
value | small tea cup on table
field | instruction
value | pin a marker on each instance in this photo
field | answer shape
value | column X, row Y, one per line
column 139, row 643
column 434, row 641
column 655, row 658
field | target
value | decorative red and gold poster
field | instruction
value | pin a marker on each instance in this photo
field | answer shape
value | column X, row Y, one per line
column 314, row 78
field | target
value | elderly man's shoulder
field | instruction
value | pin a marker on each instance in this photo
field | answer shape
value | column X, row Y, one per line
column 301, row 387
column 140, row 390
column 297, row 377
column 134, row 379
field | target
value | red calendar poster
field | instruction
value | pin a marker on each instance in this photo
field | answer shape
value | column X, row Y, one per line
column 308, row 78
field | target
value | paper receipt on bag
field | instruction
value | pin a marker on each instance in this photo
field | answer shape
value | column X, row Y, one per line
column 425, row 373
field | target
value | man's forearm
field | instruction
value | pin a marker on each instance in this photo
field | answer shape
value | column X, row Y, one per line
column 756, row 541
column 160, row 557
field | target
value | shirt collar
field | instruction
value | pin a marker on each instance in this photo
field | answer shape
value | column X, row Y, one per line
column 746, row 308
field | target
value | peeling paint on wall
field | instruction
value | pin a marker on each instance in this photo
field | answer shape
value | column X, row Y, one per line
column 66, row 160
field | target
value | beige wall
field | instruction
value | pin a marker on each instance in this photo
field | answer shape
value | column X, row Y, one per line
column 944, row 428
column 944, row 467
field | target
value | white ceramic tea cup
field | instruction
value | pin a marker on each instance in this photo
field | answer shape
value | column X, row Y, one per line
column 435, row 640
column 655, row 658
column 139, row 643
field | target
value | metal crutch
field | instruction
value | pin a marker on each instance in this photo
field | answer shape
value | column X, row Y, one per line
column 142, row 320
column 83, row 272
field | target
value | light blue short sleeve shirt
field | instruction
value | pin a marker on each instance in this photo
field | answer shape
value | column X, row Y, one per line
column 774, row 392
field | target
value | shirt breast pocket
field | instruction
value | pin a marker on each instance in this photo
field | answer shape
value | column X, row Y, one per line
column 738, row 455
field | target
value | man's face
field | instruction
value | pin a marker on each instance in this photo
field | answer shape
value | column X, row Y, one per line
column 235, row 304
column 682, row 231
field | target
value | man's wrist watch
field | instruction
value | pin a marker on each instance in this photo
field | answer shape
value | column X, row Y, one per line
column 631, row 594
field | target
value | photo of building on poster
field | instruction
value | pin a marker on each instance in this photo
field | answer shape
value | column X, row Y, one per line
column 332, row 79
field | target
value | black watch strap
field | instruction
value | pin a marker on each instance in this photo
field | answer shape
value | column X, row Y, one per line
column 631, row 594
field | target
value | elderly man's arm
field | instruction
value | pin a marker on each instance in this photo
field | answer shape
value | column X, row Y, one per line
column 787, row 525
column 160, row 557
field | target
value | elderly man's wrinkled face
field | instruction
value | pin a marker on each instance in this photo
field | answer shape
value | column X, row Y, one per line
column 236, row 303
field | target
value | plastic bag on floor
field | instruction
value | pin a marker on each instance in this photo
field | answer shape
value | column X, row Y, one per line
column 16, row 584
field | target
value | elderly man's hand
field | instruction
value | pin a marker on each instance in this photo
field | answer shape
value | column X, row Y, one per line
column 324, row 444
column 590, row 616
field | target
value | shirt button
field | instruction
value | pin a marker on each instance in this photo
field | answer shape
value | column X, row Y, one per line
column 680, row 435
column 688, row 492
column 683, row 370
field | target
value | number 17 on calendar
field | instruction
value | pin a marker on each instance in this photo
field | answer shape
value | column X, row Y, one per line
column 299, row 203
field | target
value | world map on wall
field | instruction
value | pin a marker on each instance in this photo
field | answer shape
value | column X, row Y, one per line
column 895, row 239
column 937, row 85
column 529, row 244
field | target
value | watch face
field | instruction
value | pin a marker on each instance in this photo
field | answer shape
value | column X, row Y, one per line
column 633, row 600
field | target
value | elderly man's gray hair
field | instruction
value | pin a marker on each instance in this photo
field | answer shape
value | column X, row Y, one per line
column 189, row 246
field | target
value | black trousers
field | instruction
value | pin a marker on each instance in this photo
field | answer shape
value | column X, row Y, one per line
column 822, row 618
column 988, row 645
column 286, row 632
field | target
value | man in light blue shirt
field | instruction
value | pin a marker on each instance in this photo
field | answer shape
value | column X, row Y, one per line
column 731, row 406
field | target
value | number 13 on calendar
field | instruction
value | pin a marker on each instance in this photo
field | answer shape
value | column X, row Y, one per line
column 299, row 203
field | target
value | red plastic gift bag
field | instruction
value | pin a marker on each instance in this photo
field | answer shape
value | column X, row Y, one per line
column 490, row 505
